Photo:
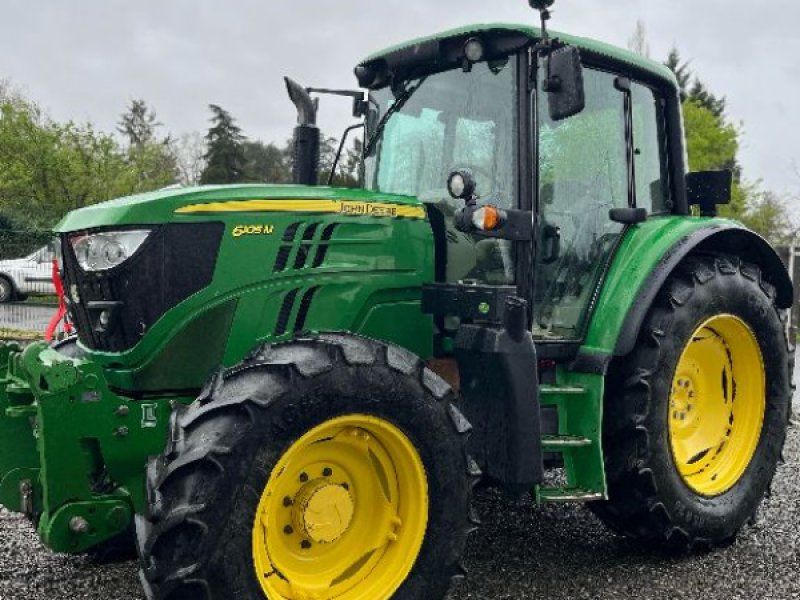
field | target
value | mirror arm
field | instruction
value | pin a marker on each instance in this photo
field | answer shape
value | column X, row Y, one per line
column 338, row 156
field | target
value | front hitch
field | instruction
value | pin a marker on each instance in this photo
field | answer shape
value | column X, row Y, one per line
column 72, row 451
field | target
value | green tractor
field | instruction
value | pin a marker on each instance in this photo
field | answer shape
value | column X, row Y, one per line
column 289, row 392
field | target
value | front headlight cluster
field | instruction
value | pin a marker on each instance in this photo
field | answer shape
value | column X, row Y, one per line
column 107, row 249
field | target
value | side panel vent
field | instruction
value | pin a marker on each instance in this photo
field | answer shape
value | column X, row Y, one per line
column 305, row 305
column 286, row 312
column 322, row 250
column 305, row 246
column 283, row 254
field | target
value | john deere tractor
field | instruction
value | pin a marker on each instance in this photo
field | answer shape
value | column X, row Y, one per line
column 288, row 392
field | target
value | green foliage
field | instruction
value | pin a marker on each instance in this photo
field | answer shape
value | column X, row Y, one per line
column 138, row 124
column 347, row 170
column 767, row 213
column 713, row 143
column 270, row 164
column 20, row 243
column 49, row 168
column 267, row 163
column 225, row 158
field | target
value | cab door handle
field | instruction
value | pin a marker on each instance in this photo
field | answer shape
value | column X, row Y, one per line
column 551, row 235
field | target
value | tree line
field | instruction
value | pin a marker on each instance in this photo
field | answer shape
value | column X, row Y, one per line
column 48, row 168
column 713, row 141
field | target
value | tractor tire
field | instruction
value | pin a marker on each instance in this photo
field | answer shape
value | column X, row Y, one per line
column 694, row 422
column 329, row 466
column 6, row 290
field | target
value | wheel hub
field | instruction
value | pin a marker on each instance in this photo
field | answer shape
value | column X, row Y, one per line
column 324, row 511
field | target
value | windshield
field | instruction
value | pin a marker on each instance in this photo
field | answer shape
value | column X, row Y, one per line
column 453, row 120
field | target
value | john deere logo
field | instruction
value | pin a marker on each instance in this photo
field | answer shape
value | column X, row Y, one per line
column 368, row 209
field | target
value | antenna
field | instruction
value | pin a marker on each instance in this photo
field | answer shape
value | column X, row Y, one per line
column 543, row 6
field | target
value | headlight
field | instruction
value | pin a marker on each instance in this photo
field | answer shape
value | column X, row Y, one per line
column 107, row 249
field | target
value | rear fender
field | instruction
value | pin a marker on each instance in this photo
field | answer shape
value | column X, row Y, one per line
column 647, row 255
column 736, row 241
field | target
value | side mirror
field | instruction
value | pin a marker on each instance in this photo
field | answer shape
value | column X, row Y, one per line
column 707, row 189
column 564, row 83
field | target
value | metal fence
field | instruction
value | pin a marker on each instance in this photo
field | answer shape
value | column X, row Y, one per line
column 791, row 258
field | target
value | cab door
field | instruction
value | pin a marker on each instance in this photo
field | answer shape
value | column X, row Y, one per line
column 583, row 172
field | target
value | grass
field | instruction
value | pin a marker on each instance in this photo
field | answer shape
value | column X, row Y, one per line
column 18, row 335
column 51, row 300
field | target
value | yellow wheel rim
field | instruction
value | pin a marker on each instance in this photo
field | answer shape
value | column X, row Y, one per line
column 343, row 514
column 717, row 405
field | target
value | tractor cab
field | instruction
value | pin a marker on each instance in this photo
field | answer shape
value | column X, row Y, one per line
column 549, row 131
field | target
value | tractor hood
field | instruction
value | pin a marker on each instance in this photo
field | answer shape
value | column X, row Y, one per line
column 178, row 204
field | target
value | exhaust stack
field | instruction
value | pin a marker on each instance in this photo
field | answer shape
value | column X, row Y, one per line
column 306, row 135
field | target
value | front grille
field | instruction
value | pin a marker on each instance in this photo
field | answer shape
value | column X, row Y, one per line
column 176, row 261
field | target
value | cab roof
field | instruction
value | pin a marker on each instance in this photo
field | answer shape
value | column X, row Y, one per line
column 593, row 48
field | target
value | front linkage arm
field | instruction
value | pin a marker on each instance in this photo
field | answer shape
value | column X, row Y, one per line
column 72, row 452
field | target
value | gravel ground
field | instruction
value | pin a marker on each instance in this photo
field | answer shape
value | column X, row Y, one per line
column 554, row 552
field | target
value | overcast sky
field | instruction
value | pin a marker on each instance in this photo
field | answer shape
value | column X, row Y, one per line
column 85, row 59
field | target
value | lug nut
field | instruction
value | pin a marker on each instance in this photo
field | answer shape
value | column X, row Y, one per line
column 287, row 502
column 305, row 544
column 346, row 486
column 303, row 477
column 327, row 472
column 288, row 530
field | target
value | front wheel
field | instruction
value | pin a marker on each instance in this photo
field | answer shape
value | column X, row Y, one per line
column 329, row 468
column 696, row 416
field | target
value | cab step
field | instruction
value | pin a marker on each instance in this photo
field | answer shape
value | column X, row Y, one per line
column 578, row 399
column 554, row 443
column 559, row 495
column 562, row 390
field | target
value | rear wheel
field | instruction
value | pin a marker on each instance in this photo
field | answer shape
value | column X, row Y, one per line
column 330, row 468
column 6, row 289
column 696, row 416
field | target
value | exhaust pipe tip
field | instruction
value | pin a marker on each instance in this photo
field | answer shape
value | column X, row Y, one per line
column 305, row 105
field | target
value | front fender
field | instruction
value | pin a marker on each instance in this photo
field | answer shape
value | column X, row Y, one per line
column 647, row 255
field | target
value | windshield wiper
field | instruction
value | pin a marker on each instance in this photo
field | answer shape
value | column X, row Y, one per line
column 398, row 105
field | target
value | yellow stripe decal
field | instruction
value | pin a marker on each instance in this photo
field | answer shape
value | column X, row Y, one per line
column 345, row 207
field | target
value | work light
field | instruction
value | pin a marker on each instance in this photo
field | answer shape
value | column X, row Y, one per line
column 473, row 50
column 461, row 184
